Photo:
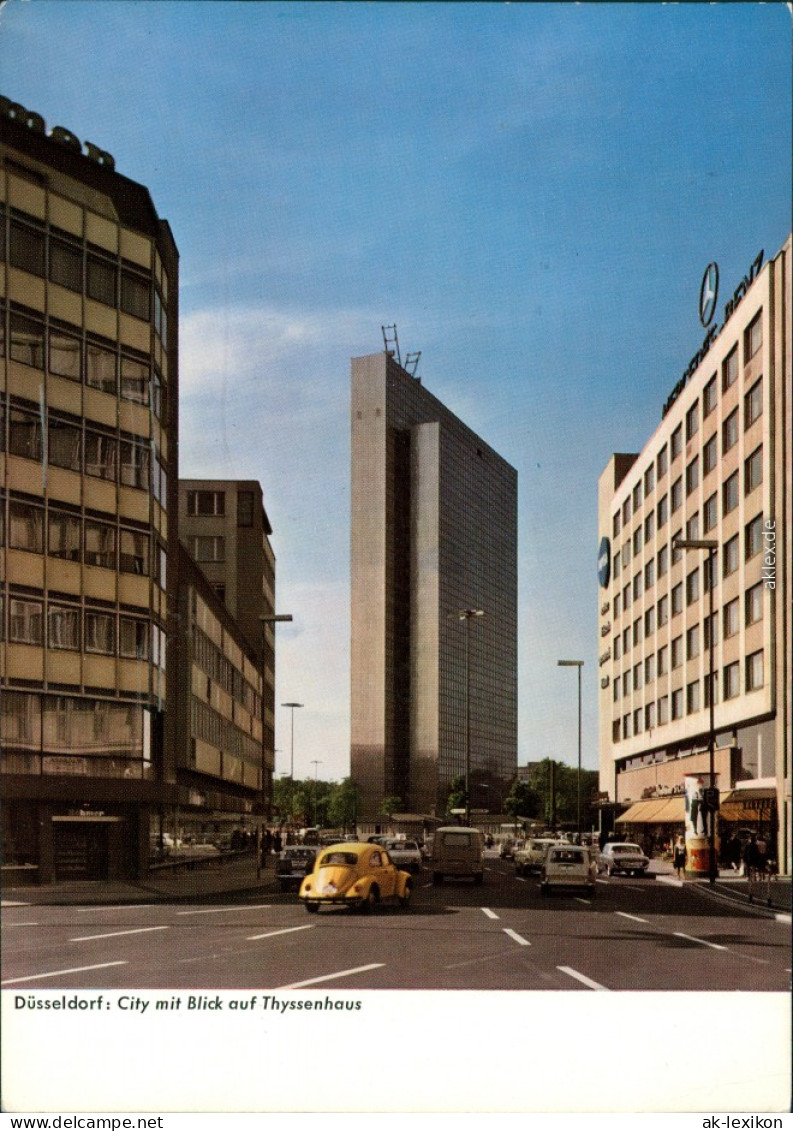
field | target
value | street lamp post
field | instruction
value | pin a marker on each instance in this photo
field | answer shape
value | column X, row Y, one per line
column 315, row 762
column 710, row 545
column 466, row 615
column 268, row 618
column 576, row 664
column 292, row 707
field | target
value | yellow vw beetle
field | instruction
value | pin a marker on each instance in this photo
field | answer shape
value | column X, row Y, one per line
column 356, row 875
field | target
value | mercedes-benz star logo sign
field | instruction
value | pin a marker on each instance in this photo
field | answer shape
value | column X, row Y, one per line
column 708, row 294
column 604, row 562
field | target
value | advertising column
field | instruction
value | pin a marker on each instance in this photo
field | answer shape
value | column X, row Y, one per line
column 701, row 810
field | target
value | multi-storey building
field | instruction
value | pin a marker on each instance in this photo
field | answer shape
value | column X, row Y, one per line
column 88, row 464
column 220, row 756
column 434, row 533
column 224, row 527
column 716, row 470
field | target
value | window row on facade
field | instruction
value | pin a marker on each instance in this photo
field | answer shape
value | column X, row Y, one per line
column 43, row 250
column 65, row 351
column 70, row 536
column 209, row 726
column 73, row 627
column 686, row 592
column 83, row 447
column 695, row 635
column 697, row 414
column 728, row 495
column 65, row 724
column 692, row 698
column 220, row 670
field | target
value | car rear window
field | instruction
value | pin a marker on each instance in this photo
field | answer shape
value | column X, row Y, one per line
column 626, row 849
column 339, row 859
column 567, row 855
column 457, row 839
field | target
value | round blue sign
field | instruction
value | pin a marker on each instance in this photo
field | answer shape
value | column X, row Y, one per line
column 604, row 563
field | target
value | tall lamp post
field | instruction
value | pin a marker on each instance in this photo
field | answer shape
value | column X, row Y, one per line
column 268, row 618
column 466, row 615
column 576, row 664
column 292, row 707
column 315, row 762
column 710, row 545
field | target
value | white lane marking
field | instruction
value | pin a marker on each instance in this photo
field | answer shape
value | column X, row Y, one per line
column 518, row 938
column 115, row 934
column 490, row 914
column 704, row 942
column 581, row 978
column 635, row 918
column 117, row 907
column 330, row 977
column 7, row 925
column 217, row 910
column 12, row 903
column 782, row 918
column 601, row 881
column 285, row 931
column 58, row 973
column 521, row 879
column 670, row 881
column 578, row 899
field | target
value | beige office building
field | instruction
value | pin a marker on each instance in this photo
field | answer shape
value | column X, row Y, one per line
column 88, row 473
column 717, row 469
column 224, row 527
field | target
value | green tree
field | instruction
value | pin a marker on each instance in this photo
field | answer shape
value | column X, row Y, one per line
column 556, row 787
column 457, row 795
column 391, row 805
column 522, row 800
column 342, row 807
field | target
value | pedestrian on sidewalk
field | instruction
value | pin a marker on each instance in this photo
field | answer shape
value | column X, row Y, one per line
column 734, row 853
column 750, row 857
column 679, row 857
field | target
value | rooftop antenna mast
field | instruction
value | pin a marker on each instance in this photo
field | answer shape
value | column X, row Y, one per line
column 412, row 363
column 391, row 342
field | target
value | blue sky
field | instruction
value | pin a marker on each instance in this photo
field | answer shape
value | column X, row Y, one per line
column 530, row 192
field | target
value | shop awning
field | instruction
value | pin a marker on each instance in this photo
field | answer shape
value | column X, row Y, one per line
column 655, row 811
column 747, row 804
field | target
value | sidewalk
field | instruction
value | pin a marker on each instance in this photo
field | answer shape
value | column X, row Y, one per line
column 768, row 894
column 203, row 880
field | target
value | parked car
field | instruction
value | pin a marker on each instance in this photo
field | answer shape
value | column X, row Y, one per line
column 294, row 862
column 568, row 866
column 627, row 858
column 458, row 851
column 530, row 857
column 406, row 854
column 355, row 875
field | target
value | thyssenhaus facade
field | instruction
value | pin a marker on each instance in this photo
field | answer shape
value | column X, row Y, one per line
column 434, row 532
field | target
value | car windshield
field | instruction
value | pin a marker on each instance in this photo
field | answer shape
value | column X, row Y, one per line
column 339, row 859
column 625, row 849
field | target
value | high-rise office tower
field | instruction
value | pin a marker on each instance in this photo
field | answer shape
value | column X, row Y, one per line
column 434, row 533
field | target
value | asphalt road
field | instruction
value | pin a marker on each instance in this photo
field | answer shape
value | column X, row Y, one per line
column 636, row 934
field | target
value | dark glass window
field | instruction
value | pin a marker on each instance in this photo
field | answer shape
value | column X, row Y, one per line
column 135, row 295
column 101, row 281
column 24, row 436
column 100, row 455
column 26, row 527
column 100, row 544
column 134, row 379
column 134, row 553
column 65, row 444
column 245, row 508
column 26, row 342
column 66, row 354
column 26, row 248
column 100, row 368
column 64, row 536
column 66, row 264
